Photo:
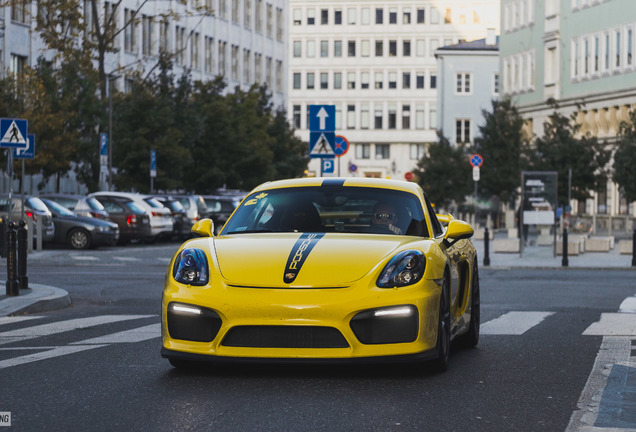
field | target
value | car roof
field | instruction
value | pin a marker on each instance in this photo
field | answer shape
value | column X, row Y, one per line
column 342, row 181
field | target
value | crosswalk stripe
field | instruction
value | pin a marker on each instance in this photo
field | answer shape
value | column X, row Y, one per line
column 127, row 259
column 84, row 258
column 56, row 352
column 139, row 334
column 513, row 323
column 11, row 319
column 63, row 326
column 613, row 324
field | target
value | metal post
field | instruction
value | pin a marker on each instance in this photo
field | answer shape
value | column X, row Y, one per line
column 564, row 260
column 634, row 249
column 3, row 239
column 12, row 281
column 22, row 255
column 486, row 247
column 110, row 133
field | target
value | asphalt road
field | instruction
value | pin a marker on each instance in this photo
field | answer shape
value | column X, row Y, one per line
column 96, row 365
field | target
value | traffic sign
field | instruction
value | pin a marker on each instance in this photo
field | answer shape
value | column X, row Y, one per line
column 153, row 163
column 321, row 144
column 341, row 146
column 408, row 176
column 322, row 118
column 476, row 160
column 353, row 167
column 328, row 165
column 13, row 133
column 475, row 173
column 103, row 144
column 28, row 152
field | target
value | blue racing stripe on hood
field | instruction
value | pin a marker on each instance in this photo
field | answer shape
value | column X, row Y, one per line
column 298, row 255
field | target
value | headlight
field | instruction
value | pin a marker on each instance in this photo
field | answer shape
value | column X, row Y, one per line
column 191, row 267
column 406, row 268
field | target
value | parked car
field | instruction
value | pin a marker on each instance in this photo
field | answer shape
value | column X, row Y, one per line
column 159, row 216
column 80, row 232
column 181, row 224
column 34, row 209
column 79, row 204
column 194, row 206
column 133, row 220
column 220, row 207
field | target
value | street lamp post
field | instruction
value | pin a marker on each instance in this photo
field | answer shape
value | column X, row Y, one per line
column 110, row 132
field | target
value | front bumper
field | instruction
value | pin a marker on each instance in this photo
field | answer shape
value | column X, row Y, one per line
column 300, row 324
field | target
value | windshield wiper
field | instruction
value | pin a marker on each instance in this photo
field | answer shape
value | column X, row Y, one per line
column 251, row 231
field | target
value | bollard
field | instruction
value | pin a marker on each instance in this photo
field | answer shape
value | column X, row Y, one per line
column 12, row 281
column 634, row 249
column 3, row 239
column 486, row 247
column 564, row 260
column 22, row 255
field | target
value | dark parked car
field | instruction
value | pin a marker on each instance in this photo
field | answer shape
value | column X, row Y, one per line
column 34, row 210
column 80, row 232
column 81, row 205
column 132, row 219
column 181, row 224
column 220, row 207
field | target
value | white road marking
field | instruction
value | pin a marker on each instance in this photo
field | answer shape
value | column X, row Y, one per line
column 84, row 258
column 628, row 305
column 613, row 324
column 56, row 352
column 513, row 323
column 139, row 334
column 15, row 319
column 63, row 326
column 127, row 259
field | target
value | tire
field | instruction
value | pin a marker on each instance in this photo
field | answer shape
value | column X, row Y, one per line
column 79, row 239
column 470, row 339
column 440, row 364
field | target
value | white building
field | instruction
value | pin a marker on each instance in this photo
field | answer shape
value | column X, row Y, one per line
column 375, row 61
column 245, row 41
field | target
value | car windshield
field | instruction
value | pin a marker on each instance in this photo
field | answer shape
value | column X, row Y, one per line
column 153, row 202
column 135, row 208
column 58, row 208
column 94, row 204
column 37, row 204
column 174, row 206
column 327, row 209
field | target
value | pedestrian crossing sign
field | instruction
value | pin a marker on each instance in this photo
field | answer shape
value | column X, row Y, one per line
column 321, row 144
column 13, row 133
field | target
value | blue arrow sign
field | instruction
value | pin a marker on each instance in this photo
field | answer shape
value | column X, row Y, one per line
column 322, row 118
column 153, row 163
column 103, row 144
column 13, row 133
column 28, row 152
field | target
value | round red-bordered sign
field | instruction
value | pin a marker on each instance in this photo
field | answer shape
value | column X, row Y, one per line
column 341, row 146
column 476, row 160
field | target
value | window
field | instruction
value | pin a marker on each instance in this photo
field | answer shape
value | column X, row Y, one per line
column 296, row 80
column 209, row 55
column 392, row 119
column 379, row 15
column 406, row 80
column 597, row 44
column 364, row 116
column 258, row 68
column 434, row 15
column 495, row 83
column 235, row 11
column 419, row 80
column 351, row 116
column 311, row 16
column 462, row 131
column 18, row 64
column 180, row 47
column 247, row 14
column 351, row 16
column 297, row 13
column 406, row 116
column 222, row 57
column 222, row 9
column 297, row 116
column 421, row 15
column 630, row 42
column 601, row 197
column 351, row 48
column 337, row 17
column 365, row 16
column 618, row 48
column 462, row 83
column 19, row 10
column 195, row 59
column 432, row 119
column 246, row 66
column 378, row 48
column 379, row 78
column 258, row 15
column 392, row 80
column 324, row 16
column 337, row 80
column 419, row 117
column 235, row 62
column 378, row 118
column 311, row 49
column 417, row 151
column 382, row 151
column 351, row 80
column 433, row 81
column 147, row 35
column 130, row 43
column 310, row 81
column 297, row 49
column 337, row 48
column 406, row 16
column 392, row 48
column 364, row 80
column 324, row 80
column 406, row 48
column 420, row 47
column 393, row 16
column 363, row 151
column 324, row 48
column 164, row 30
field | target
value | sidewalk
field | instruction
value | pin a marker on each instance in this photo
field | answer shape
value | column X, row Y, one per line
column 37, row 298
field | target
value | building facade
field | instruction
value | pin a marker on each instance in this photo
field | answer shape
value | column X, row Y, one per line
column 245, row 41
column 375, row 61
column 468, row 82
column 580, row 53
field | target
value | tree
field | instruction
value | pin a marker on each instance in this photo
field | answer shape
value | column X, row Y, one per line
column 445, row 174
column 625, row 158
column 503, row 146
column 559, row 150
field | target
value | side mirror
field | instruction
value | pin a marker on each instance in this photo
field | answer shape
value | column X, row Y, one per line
column 457, row 230
column 204, row 227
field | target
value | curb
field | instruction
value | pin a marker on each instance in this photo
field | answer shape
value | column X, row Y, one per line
column 38, row 298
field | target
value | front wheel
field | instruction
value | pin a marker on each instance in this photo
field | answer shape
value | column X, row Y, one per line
column 440, row 364
column 471, row 337
column 79, row 239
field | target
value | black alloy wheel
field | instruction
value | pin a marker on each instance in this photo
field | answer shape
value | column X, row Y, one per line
column 440, row 364
column 79, row 239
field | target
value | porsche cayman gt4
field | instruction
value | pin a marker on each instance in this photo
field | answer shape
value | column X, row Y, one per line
column 324, row 269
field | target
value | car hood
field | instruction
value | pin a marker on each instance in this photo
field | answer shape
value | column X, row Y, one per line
column 301, row 260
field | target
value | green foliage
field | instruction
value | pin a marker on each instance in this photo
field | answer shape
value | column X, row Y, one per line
column 445, row 174
column 625, row 158
column 559, row 149
column 502, row 145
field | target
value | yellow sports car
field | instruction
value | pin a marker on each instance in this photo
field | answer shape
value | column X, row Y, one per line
column 324, row 269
